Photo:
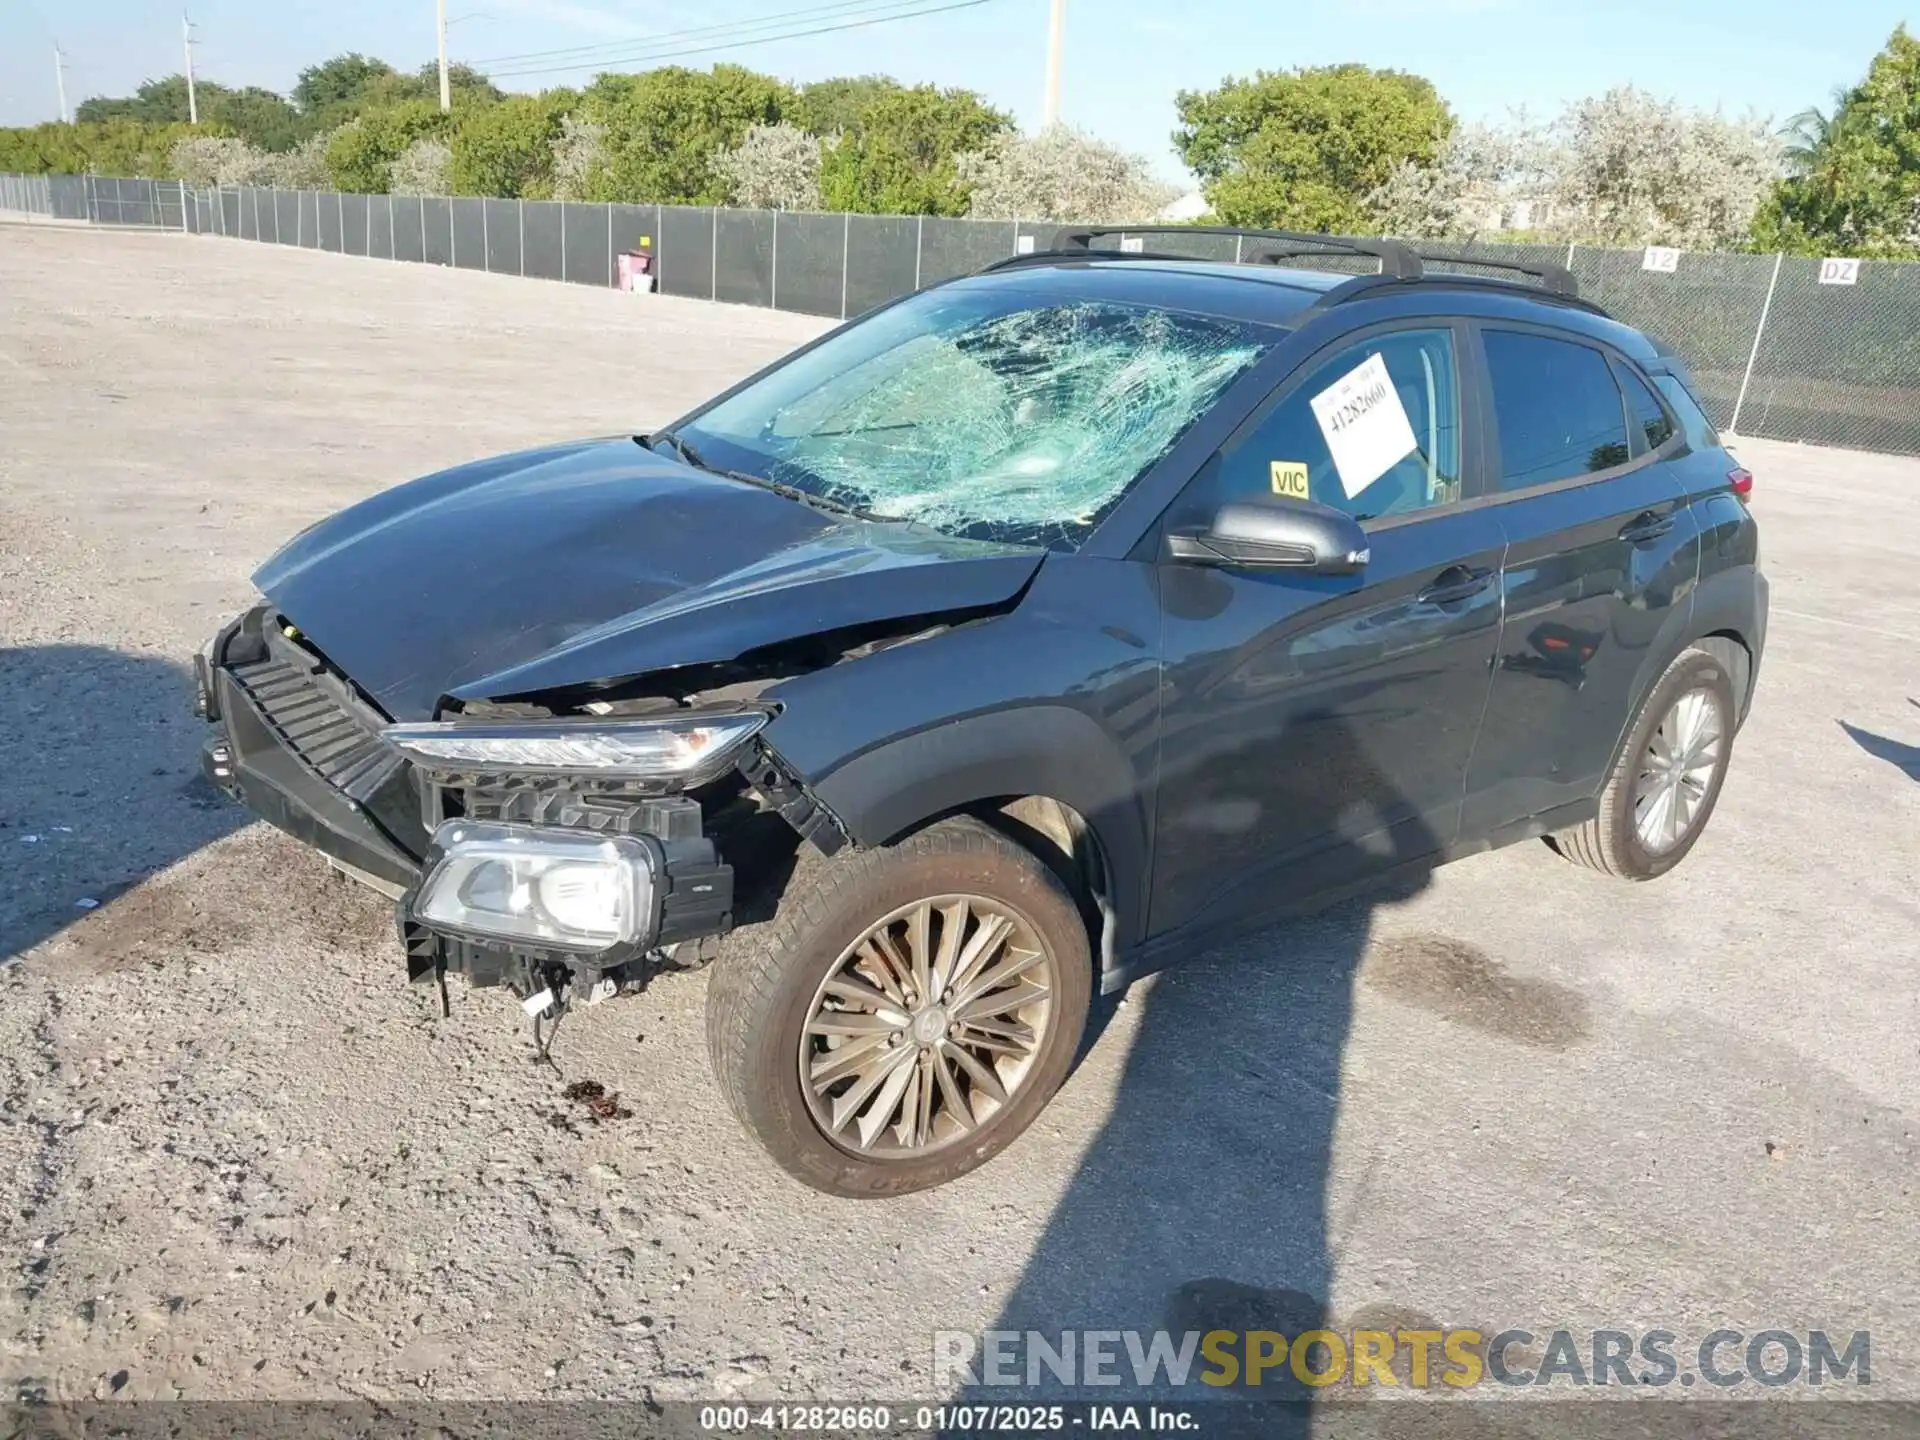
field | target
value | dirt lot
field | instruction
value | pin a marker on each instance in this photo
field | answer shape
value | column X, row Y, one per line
column 241, row 1157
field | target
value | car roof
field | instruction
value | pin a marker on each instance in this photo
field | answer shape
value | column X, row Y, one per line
column 1286, row 296
column 1265, row 294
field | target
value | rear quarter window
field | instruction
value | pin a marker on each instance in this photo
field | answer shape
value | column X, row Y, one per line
column 1693, row 420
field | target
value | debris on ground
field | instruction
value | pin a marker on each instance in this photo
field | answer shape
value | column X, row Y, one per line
column 600, row 1104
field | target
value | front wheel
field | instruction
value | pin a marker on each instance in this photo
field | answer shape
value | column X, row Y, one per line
column 1667, row 779
column 907, row 1013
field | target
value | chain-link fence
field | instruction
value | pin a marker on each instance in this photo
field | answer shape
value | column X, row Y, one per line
column 1777, row 353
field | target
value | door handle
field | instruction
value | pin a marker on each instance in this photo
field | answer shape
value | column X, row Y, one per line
column 1644, row 527
column 1454, row 584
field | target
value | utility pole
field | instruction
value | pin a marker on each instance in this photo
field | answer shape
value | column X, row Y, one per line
column 60, row 79
column 186, row 37
column 1056, row 37
column 446, row 89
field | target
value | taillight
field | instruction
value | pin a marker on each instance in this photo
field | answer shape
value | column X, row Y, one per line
column 1740, row 481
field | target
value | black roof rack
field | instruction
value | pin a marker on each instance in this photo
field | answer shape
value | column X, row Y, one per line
column 1362, row 285
column 1395, row 259
column 1398, row 262
column 1554, row 278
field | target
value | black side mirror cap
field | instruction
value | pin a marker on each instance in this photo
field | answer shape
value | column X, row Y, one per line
column 1300, row 535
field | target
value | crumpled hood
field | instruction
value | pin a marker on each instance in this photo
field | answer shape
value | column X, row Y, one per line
column 593, row 561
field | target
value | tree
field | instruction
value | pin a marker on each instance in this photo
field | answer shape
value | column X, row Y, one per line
column 340, row 82
column 579, row 157
column 507, row 149
column 1304, row 148
column 662, row 128
column 775, row 167
column 421, row 168
column 109, row 147
column 1809, row 136
column 1060, row 174
column 260, row 117
column 897, row 155
column 361, row 153
column 833, row 107
column 1479, row 172
column 1859, row 193
column 1630, row 169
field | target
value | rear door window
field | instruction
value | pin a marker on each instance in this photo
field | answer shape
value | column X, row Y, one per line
column 1557, row 406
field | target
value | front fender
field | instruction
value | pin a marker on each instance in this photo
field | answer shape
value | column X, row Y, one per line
column 1049, row 750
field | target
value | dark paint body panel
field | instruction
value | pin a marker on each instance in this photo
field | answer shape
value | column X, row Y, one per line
column 592, row 562
column 1585, row 606
column 1060, row 698
column 1317, row 729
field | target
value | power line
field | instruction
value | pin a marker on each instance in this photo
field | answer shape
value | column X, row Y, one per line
column 703, row 49
column 837, row 8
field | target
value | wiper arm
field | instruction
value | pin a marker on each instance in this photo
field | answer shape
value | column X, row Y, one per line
column 779, row 487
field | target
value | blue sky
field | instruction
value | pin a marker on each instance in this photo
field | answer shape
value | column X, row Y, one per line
column 1125, row 59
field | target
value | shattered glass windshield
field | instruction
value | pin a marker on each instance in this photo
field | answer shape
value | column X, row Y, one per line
column 997, row 414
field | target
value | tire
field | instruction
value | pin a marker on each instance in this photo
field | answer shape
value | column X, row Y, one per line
column 763, row 995
column 1612, row 842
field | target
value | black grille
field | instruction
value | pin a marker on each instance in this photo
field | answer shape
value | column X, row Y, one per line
column 340, row 746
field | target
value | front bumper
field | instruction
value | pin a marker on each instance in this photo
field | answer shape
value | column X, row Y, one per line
column 300, row 747
column 249, row 760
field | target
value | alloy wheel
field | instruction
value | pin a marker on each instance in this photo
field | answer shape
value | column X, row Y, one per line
column 1677, row 770
column 926, row 1026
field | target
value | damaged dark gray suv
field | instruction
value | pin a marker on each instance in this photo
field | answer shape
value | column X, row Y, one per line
column 1004, row 645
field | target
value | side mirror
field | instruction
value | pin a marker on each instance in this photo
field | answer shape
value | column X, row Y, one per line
column 1298, row 535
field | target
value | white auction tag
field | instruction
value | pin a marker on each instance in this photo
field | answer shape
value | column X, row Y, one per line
column 1364, row 423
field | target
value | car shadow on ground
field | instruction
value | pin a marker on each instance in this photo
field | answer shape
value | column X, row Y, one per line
column 1903, row 757
column 100, row 752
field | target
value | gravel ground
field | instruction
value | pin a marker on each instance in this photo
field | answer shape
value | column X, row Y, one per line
column 244, row 1159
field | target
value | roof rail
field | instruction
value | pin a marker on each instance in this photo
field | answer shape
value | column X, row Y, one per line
column 1555, row 278
column 1395, row 259
column 1363, row 285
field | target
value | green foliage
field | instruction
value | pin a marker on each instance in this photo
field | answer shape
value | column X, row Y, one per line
column 829, row 107
column 1858, row 187
column 506, row 149
column 342, row 82
column 360, row 155
column 1303, row 149
column 663, row 127
column 261, row 118
column 108, row 147
column 898, row 145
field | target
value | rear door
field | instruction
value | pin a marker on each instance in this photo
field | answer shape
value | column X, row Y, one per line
column 1599, row 548
column 1316, row 730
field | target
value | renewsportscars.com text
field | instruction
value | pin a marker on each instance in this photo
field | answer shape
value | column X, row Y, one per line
column 1456, row 1359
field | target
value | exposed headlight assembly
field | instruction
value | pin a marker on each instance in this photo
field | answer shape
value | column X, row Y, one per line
column 690, row 748
column 538, row 885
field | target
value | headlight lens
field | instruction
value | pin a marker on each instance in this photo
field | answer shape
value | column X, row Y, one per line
column 550, row 887
column 690, row 748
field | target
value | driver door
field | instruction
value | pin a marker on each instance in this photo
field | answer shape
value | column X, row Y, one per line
column 1316, row 730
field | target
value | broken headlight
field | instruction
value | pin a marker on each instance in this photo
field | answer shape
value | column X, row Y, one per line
column 690, row 748
column 539, row 885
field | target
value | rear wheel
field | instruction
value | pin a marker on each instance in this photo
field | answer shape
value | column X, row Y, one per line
column 1664, row 786
column 907, row 1013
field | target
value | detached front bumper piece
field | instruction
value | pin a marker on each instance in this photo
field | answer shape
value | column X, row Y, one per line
column 294, row 747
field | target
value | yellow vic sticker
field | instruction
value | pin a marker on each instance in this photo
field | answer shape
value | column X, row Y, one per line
column 1289, row 478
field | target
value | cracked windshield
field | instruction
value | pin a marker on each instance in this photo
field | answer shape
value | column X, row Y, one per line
column 987, row 415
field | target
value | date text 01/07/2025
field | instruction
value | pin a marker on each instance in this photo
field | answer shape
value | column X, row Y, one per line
column 859, row 1419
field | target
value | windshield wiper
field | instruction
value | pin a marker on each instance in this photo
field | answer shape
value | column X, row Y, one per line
column 692, row 457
